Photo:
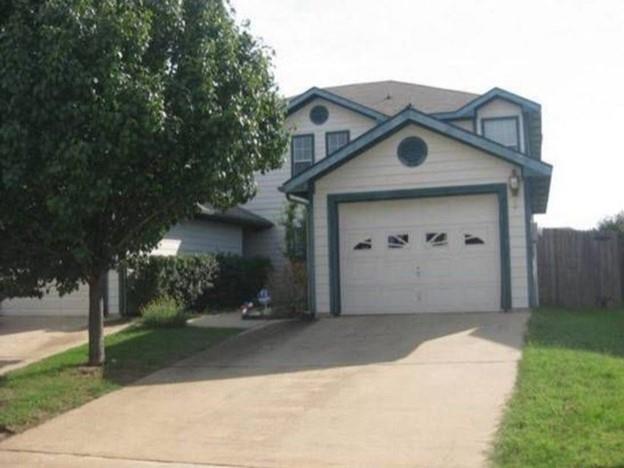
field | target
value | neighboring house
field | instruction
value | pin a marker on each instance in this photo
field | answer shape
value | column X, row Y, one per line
column 210, row 231
column 420, row 200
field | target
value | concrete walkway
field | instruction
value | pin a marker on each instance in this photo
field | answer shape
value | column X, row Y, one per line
column 24, row 340
column 420, row 390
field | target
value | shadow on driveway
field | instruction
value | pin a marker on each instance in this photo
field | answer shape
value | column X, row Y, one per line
column 350, row 341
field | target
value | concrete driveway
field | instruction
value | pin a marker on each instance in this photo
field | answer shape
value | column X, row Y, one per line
column 420, row 390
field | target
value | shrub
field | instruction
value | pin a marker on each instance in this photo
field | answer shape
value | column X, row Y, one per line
column 164, row 312
column 195, row 281
column 238, row 280
column 289, row 289
column 184, row 279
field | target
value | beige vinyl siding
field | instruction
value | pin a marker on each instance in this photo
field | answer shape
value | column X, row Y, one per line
column 449, row 163
column 502, row 108
column 196, row 237
column 269, row 201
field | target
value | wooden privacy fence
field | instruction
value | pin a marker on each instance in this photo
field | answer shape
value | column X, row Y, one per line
column 579, row 268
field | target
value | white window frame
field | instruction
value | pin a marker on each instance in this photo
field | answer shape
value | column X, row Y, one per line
column 514, row 119
column 328, row 135
column 299, row 164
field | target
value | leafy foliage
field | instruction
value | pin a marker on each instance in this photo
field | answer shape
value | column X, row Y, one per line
column 295, row 225
column 613, row 223
column 196, row 281
column 184, row 279
column 239, row 279
column 163, row 312
column 116, row 117
column 289, row 289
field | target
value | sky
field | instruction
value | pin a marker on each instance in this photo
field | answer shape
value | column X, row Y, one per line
column 565, row 54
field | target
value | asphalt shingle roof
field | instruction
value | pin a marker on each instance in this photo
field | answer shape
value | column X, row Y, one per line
column 390, row 97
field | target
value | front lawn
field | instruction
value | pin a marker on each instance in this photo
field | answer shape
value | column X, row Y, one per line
column 568, row 406
column 54, row 385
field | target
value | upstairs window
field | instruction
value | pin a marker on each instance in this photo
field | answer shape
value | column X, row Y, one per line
column 335, row 140
column 503, row 130
column 302, row 153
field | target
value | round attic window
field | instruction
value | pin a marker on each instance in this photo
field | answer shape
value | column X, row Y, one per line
column 319, row 115
column 412, row 151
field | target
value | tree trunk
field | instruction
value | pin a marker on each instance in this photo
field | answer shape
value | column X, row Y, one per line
column 96, row 321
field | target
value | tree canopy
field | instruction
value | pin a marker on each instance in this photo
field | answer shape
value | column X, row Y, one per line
column 613, row 223
column 116, row 118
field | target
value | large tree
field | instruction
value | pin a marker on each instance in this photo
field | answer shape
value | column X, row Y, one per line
column 116, row 118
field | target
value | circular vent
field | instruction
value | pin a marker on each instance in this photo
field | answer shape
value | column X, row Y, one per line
column 319, row 115
column 412, row 151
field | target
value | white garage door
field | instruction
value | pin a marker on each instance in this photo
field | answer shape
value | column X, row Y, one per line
column 422, row 255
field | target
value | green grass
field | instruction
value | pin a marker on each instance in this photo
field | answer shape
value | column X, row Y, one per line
column 59, row 383
column 568, row 406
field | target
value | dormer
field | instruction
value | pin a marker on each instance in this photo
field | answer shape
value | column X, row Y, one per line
column 503, row 117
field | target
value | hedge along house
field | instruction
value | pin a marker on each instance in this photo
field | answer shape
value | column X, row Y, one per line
column 424, row 204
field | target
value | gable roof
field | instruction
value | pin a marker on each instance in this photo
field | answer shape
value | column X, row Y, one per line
column 235, row 215
column 530, row 167
column 468, row 110
column 390, row 97
column 297, row 102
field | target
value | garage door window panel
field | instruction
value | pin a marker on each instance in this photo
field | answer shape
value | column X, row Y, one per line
column 365, row 244
column 398, row 241
column 473, row 240
column 437, row 239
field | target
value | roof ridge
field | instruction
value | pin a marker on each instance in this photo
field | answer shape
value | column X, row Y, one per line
column 402, row 83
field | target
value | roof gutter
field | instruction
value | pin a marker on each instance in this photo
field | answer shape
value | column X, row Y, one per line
column 295, row 199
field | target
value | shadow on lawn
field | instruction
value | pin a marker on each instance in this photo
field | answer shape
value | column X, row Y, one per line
column 597, row 330
column 133, row 353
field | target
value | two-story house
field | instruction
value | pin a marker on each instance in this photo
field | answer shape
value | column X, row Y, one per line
column 419, row 199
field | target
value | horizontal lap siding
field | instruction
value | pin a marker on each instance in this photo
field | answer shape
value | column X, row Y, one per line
column 448, row 163
column 75, row 303
column 269, row 202
column 197, row 237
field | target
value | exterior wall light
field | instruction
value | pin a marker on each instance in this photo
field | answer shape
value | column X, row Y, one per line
column 514, row 182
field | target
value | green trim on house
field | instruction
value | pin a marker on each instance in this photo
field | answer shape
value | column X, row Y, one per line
column 468, row 110
column 292, row 151
column 528, row 214
column 401, row 120
column 310, row 259
column 298, row 102
column 334, row 200
column 528, row 147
